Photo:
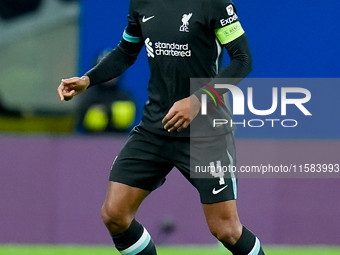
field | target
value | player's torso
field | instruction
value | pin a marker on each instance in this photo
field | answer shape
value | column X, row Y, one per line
column 176, row 34
column 180, row 45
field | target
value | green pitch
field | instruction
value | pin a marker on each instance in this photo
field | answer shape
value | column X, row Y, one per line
column 173, row 250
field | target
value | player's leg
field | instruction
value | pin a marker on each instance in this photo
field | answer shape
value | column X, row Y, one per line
column 120, row 206
column 224, row 224
column 140, row 168
column 118, row 214
column 210, row 171
column 223, row 221
column 219, row 203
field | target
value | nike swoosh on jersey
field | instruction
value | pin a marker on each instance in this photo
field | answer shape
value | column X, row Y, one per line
column 214, row 191
column 146, row 19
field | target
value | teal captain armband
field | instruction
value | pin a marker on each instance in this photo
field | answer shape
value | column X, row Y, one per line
column 130, row 38
column 229, row 33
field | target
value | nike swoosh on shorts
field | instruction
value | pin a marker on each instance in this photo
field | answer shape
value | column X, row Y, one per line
column 214, row 191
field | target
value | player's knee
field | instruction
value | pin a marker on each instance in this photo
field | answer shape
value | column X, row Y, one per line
column 227, row 233
column 115, row 220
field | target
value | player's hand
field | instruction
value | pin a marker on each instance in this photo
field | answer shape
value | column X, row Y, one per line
column 71, row 87
column 181, row 114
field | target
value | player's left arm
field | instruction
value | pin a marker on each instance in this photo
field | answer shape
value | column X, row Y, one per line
column 230, row 34
column 232, row 37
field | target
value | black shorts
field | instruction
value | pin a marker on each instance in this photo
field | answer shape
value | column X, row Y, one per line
column 146, row 158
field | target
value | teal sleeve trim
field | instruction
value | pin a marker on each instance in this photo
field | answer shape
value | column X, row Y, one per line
column 130, row 38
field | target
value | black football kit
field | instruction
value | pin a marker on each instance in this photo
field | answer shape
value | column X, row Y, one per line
column 183, row 40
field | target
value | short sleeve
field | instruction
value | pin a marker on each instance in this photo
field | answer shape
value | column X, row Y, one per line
column 225, row 21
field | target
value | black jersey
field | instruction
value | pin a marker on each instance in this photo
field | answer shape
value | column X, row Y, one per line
column 183, row 40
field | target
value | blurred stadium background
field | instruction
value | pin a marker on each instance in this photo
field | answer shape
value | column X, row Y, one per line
column 53, row 181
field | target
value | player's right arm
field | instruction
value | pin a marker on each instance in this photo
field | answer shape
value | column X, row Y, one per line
column 112, row 65
column 117, row 61
column 123, row 56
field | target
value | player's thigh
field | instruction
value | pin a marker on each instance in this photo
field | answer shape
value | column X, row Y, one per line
column 217, row 213
column 223, row 220
column 122, row 200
